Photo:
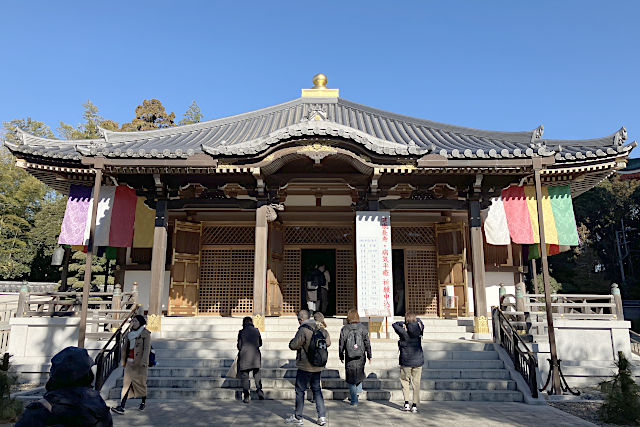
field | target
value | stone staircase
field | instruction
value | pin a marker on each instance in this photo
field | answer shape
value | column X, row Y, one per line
column 194, row 356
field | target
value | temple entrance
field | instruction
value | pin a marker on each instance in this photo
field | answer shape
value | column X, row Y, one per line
column 318, row 263
column 399, row 288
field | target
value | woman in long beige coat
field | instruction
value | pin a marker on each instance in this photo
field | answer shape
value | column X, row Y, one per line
column 135, row 359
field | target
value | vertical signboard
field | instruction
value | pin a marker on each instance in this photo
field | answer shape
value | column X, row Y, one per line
column 373, row 257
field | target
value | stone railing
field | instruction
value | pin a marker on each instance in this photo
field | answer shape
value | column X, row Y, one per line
column 528, row 311
column 14, row 286
column 105, row 309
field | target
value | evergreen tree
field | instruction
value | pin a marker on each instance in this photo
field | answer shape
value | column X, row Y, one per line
column 28, row 125
column 88, row 129
column 75, row 279
column 150, row 115
column 43, row 237
column 20, row 200
column 192, row 115
column 622, row 401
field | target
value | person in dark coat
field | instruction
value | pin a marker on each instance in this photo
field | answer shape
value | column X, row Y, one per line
column 249, row 358
column 70, row 400
column 411, row 357
column 354, row 334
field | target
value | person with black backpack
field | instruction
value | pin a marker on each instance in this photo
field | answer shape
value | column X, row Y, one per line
column 311, row 344
column 354, row 345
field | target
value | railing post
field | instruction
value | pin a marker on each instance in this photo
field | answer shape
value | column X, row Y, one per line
column 23, row 300
column 117, row 301
column 95, row 326
column 520, row 297
column 502, row 292
column 134, row 291
column 533, row 379
column 617, row 299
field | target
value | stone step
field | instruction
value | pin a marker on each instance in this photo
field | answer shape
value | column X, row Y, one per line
column 436, row 332
column 330, row 383
column 292, row 321
column 429, row 364
column 336, row 394
column 216, row 353
column 332, row 363
column 392, row 344
column 427, row 373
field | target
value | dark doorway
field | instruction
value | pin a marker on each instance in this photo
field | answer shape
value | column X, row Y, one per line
column 312, row 259
column 399, row 289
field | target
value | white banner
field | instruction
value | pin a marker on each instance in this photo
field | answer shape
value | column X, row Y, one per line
column 373, row 257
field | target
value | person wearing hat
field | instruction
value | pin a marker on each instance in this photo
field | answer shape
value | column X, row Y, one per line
column 135, row 359
column 70, row 399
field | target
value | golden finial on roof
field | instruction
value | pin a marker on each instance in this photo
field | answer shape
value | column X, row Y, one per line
column 319, row 89
column 319, row 81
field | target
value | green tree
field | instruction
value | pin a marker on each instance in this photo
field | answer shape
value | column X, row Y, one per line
column 75, row 278
column 150, row 115
column 33, row 127
column 20, row 200
column 622, row 396
column 88, row 129
column 192, row 115
column 593, row 265
column 43, row 237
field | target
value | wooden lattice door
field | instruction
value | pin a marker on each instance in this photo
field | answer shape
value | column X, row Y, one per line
column 185, row 269
column 421, row 290
column 451, row 259
column 275, row 269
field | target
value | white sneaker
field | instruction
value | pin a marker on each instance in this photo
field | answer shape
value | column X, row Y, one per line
column 407, row 407
column 414, row 408
column 322, row 421
column 293, row 420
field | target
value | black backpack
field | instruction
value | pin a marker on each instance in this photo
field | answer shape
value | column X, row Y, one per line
column 355, row 344
column 318, row 354
column 315, row 280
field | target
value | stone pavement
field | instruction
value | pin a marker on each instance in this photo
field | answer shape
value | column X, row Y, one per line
column 272, row 412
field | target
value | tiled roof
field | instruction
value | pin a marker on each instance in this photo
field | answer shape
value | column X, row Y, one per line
column 376, row 130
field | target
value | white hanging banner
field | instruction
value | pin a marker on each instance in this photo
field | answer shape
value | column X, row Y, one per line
column 373, row 257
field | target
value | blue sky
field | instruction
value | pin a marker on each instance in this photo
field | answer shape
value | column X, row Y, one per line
column 501, row 65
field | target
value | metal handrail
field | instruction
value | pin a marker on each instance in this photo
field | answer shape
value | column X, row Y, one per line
column 523, row 359
column 109, row 358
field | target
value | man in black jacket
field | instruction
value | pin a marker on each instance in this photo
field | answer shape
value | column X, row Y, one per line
column 249, row 358
column 70, row 400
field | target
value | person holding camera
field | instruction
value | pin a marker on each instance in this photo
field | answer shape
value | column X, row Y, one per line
column 411, row 357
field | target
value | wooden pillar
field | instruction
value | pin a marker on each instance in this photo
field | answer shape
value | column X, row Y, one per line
column 555, row 378
column 65, row 269
column 91, row 250
column 158, row 264
column 480, row 323
column 260, row 261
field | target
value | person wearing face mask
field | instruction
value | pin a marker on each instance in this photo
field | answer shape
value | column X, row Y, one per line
column 135, row 359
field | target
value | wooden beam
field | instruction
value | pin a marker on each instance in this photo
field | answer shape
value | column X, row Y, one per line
column 90, row 252
column 176, row 163
column 435, row 204
column 158, row 262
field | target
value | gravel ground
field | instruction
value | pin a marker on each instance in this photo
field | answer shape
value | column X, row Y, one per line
column 587, row 408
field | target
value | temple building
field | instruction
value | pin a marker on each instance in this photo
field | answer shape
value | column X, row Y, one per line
column 245, row 206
